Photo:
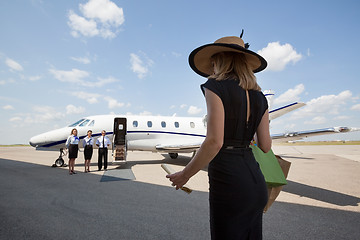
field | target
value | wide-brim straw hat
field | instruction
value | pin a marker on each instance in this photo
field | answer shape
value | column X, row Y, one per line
column 200, row 58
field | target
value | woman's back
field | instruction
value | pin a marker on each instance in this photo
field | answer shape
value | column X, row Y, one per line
column 235, row 106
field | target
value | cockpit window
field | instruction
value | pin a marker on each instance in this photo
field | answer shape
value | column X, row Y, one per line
column 76, row 123
column 84, row 123
column 92, row 123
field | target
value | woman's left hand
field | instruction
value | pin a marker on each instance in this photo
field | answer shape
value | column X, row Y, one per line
column 178, row 179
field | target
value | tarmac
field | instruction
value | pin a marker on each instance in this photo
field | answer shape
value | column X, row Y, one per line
column 136, row 201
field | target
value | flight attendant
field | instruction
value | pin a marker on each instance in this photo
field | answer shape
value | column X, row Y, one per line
column 72, row 143
column 88, row 149
column 103, row 142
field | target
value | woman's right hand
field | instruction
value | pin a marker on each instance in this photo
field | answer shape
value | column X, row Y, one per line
column 178, row 179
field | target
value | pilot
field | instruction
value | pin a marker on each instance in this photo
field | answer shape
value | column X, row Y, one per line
column 88, row 149
column 72, row 143
column 103, row 142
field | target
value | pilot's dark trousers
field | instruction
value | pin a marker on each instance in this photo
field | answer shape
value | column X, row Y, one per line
column 103, row 153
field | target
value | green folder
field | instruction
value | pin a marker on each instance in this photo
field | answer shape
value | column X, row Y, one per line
column 270, row 167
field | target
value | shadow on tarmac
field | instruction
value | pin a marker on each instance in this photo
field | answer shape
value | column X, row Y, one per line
column 39, row 202
column 321, row 194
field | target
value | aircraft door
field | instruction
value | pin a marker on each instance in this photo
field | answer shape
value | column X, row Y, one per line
column 119, row 140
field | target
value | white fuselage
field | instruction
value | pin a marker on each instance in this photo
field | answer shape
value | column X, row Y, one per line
column 143, row 132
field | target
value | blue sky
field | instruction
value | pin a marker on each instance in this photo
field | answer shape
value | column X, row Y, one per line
column 62, row 60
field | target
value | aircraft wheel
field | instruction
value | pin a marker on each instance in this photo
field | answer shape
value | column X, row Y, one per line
column 173, row 155
column 59, row 162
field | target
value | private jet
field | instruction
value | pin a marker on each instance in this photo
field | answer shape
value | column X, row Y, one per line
column 165, row 134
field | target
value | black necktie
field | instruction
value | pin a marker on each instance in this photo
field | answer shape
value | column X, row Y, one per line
column 103, row 141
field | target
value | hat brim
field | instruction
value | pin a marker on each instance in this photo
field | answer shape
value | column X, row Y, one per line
column 200, row 58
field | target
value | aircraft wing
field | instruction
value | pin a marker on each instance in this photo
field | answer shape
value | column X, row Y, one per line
column 179, row 147
column 292, row 136
column 285, row 109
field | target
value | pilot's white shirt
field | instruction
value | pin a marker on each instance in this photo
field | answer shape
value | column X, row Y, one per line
column 72, row 140
column 99, row 142
column 88, row 141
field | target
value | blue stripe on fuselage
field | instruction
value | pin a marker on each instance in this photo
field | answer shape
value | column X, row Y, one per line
column 109, row 133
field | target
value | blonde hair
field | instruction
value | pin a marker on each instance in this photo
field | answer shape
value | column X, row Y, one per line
column 230, row 65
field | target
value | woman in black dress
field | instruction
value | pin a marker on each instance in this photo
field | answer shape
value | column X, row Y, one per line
column 236, row 110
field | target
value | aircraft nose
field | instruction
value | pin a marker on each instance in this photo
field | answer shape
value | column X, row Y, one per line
column 31, row 142
column 37, row 140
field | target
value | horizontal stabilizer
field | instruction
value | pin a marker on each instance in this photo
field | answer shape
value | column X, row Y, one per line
column 285, row 109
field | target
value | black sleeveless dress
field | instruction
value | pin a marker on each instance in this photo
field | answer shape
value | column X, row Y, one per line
column 238, row 192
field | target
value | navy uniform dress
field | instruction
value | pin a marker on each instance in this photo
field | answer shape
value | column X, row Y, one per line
column 72, row 143
column 88, row 147
column 238, row 193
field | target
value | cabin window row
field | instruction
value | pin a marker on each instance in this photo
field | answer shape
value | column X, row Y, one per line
column 163, row 124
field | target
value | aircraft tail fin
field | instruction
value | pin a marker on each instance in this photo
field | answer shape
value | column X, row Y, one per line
column 269, row 94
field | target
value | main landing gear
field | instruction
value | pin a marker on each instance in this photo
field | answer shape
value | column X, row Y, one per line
column 173, row 155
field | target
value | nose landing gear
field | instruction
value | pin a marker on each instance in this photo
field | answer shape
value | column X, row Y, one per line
column 60, row 161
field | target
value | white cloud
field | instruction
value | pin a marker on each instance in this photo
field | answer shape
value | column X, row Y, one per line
column 43, row 114
column 34, row 78
column 145, row 113
column 138, row 66
column 89, row 97
column 291, row 95
column 77, row 76
column 83, row 60
column 317, row 120
column 183, row 106
column 13, row 65
column 100, row 18
column 175, row 54
column 113, row 103
column 8, row 107
column 327, row 104
column 71, row 109
column 194, row 110
column 74, row 76
column 15, row 119
column 2, row 82
column 104, row 10
column 356, row 107
column 101, row 82
column 80, row 25
column 341, row 117
column 43, row 109
column 278, row 56
column 290, row 126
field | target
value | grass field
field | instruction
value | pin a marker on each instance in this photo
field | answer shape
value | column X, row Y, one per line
column 320, row 143
column 16, row 145
column 275, row 143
